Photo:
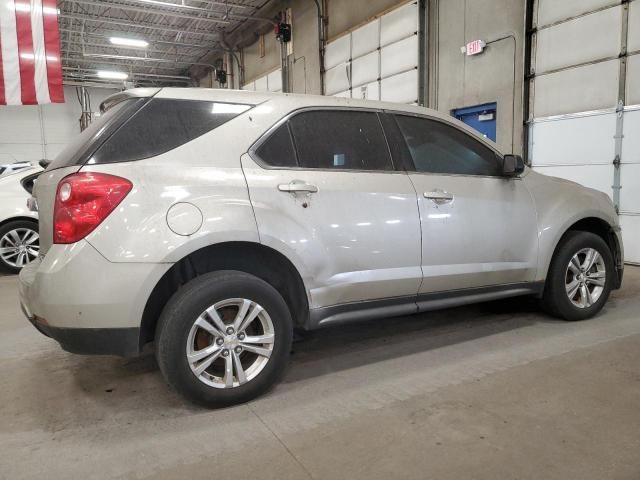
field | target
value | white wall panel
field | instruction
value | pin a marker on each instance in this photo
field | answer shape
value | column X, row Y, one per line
column 558, row 93
column 584, row 39
column 20, row 124
column 365, row 69
column 633, row 80
column 630, row 235
column 15, row 152
column 399, row 56
column 365, row 39
column 551, row 11
column 630, row 192
column 599, row 177
column 33, row 132
column 274, row 81
column 574, row 141
column 401, row 88
column 399, row 23
column 631, row 142
column 633, row 38
column 249, row 86
column 261, row 84
column 337, row 79
column 337, row 52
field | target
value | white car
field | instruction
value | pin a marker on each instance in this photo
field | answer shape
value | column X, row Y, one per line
column 19, row 239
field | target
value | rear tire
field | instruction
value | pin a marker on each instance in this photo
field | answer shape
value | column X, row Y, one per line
column 580, row 277
column 215, row 368
column 19, row 245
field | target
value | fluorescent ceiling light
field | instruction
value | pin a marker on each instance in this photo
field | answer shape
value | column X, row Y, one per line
column 129, row 42
column 112, row 75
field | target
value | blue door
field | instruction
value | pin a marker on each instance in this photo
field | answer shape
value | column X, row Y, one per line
column 481, row 117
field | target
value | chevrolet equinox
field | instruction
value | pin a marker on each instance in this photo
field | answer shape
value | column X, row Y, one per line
column 212, row 223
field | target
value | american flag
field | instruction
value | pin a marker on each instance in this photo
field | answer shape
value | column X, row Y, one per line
column 31, row 67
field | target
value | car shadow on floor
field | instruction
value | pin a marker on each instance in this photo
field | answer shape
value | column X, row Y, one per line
column 315, row 354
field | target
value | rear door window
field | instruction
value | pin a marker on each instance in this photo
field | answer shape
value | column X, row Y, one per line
column 277, row 150
column 340, row 140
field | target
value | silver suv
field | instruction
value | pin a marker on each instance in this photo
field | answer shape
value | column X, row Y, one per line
column 212, row 223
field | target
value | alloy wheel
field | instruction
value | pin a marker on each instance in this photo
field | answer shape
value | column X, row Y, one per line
column 230, row 343
column 585, row 278
column 19, row 247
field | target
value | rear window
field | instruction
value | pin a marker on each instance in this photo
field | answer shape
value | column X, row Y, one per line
column 82, row 146
column 162, row 125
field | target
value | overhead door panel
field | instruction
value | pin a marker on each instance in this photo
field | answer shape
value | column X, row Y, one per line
column 337, row 52
column 401, row 88
column 557, row 93
column 633, row 38
column 399, row 24
column 631, row 232
column 585, row 140
column 592, row 176
column 362, row 61
column 581, row 40
column 633, row 79
column 578, row 128
column 366, row 39
column 399, row 56
column 365, row 69
column 551, row 11
column 337, row 79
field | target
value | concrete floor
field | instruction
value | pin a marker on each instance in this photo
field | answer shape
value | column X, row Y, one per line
column 495, row 391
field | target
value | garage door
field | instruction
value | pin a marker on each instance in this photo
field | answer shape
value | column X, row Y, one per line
column 586, row 101
column 271, row 82
column 377, row 61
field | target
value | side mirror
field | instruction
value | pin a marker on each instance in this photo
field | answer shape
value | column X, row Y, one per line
column 513, row 165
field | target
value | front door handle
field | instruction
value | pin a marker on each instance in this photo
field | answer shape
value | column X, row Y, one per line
column 439, row 196
column 297, row 186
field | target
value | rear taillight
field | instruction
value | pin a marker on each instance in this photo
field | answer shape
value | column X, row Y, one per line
column 83, row 201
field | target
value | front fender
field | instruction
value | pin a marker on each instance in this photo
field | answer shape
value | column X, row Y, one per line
column 560, row 204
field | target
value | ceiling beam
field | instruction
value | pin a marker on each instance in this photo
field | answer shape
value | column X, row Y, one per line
column 163, row 12
column 121, row 23
column 151, row 41
column 121, row 47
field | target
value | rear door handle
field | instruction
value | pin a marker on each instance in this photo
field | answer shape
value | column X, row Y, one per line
column 297, row 186
column 439, row 196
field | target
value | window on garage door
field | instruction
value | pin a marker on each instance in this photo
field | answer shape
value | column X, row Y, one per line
column 378, row 61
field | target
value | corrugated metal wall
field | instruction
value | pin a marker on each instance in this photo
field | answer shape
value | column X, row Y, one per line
column 35, row 132
column 585, row 100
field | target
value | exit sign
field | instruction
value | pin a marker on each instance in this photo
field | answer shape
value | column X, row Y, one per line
column 474, row 48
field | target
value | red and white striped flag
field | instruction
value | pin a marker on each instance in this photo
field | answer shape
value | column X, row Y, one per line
column 31, row 70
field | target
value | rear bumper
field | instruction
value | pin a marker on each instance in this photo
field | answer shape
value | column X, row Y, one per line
column 88, row 304
column 92, row 341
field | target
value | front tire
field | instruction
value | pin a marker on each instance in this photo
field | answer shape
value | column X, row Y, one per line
column 580, row 277
column 224, row 338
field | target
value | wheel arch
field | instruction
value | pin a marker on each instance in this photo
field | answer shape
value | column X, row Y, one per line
column 19, row 218
column 249, row 257
column 598, row 226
